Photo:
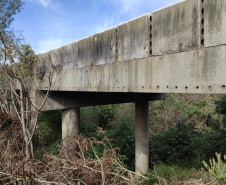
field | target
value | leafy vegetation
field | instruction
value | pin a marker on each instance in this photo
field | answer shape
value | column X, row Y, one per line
column 176, row 152
column 217, row 168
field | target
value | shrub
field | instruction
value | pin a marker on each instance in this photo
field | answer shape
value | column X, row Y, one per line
column 49, row 127
column 221, row 108
column 168, row 174
column 217, row 168
column 97, row 116
column 186, row 147
column 171, row 147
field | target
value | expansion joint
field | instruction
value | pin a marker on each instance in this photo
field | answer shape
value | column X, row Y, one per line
column 202, row 22
column 150, row 35
column 116, row 41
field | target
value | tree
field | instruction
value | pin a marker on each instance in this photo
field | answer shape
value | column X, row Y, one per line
column 8, row 43
column 17, row 79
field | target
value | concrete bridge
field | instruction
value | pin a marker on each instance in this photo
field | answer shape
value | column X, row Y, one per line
column 180, row 48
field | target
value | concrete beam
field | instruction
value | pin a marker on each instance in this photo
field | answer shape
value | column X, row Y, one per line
column 142, row 137
column 58, row 100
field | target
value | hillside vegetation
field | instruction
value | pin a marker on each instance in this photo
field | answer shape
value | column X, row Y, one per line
column 185, row 131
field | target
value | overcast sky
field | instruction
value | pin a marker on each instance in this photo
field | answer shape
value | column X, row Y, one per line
column 48, row 24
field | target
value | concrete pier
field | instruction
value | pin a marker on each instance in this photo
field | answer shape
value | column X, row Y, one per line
column 142, row 137
column 70, row 122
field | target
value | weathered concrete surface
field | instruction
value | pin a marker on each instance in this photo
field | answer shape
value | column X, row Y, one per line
column 194, row 71
column 70, row 127
column 43, row 66
column 214, row 70
column 177, row 72
column 176, row 28
column 142, row 136
column 215, row 22
column 197, row 71
column 128, row 76
column 70, row 122
column 83, row 52
column 55, row 58
column 67, row 57
column 119, row 59
column 133, row 39
column 104, row 47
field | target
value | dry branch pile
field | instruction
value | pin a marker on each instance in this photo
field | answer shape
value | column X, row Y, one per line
column 71, row 166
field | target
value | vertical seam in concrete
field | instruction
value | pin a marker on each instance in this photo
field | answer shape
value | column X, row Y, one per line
column 202, row 23
column 92, row 50
column 150, row 19
column 116, row 45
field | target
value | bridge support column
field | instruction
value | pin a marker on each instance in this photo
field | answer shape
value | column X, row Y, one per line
column 142, row 136
column 70, row 123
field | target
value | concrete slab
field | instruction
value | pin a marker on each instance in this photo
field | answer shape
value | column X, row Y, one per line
column 214, row 70
column 176, row 28
column 43, row 65
column 177, row 73
column 67, row 57
column 133, row 39
column 67, row 80
column 128, row 76
column 83, row 52
column 195, row 71
column 215, row 22
column 104, row 47
column 55, row 58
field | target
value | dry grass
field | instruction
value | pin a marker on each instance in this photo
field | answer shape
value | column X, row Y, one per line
column 70, row 166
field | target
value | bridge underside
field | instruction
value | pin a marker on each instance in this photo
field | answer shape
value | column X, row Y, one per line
column 58, row 100
column 70, row 103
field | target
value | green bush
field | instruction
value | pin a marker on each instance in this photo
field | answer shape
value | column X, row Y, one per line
column 171, row 147
column 217, row 168
column 97, row 116
column 53, row 148
column 123, row 136
column 206, row 144
column 49, row 128
column 179, row 111
column 167, row 174
column 221, row 108
column 176, row 141
column 118, row 121
column 186, row 147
